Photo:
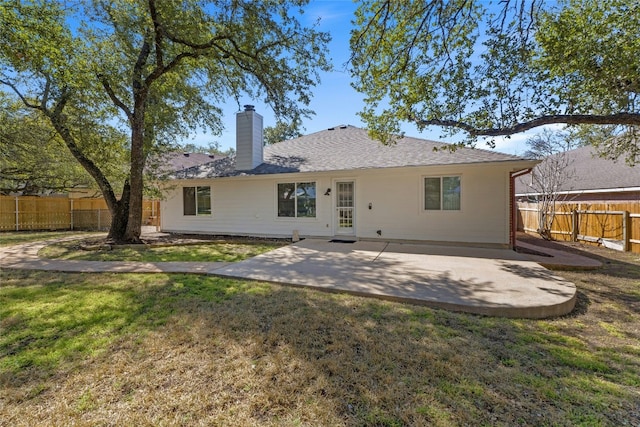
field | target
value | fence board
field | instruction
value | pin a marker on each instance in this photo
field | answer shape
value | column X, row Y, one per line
column 61, row 213
column 595, row 221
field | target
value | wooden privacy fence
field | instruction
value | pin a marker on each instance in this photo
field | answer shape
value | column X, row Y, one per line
column 19, row 213
column 615, row 225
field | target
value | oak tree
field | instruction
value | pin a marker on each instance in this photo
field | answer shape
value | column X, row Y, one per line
column 490, row 69
column 157, row 69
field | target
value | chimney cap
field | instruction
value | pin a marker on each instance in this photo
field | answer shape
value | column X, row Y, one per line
column 249, row 107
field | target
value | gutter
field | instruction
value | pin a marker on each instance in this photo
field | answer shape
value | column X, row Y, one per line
column 513, row 220
column 587, row 191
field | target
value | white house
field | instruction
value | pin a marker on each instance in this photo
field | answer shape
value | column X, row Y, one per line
column 339, row 183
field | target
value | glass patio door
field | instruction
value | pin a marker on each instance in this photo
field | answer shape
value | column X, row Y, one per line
column 345, row 207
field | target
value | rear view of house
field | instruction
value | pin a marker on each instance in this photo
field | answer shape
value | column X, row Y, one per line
column 340, row 183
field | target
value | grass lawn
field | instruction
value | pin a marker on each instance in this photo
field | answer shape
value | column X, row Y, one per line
column 157, row 349
column 206, row 252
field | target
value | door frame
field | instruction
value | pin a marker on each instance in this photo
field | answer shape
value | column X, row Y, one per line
column 334, row 207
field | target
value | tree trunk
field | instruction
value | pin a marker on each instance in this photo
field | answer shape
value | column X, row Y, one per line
column 134, row 211
column 120, row 217
column 119, row 209
column 134, row 220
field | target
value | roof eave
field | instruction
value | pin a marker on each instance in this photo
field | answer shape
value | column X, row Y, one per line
column 588, row 191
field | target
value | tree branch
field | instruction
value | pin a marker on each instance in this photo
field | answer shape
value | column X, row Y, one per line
column 114, row 98
column 569, row 119
column 158, row 31
column 138, row 81
column 197, row 46
column 159, row 71
column 58, row 120
column 59, row 107
column 47, row 89
column 20, row 95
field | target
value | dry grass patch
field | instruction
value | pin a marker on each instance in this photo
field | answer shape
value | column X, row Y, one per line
column 196, row 350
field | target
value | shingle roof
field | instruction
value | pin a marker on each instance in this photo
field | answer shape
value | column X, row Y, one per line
column 588, row 171
column 347, row 148
column 176, row 161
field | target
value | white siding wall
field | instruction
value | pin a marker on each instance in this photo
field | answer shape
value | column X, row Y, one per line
column 247, row 205
column 398, row 206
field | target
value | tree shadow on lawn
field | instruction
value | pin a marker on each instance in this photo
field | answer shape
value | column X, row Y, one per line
column 211, row 350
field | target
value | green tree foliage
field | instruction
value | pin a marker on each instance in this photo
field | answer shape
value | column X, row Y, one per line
column 157, row 69
column 491, row 69
column 33, row 160
column 282, row 131
column 212, row 147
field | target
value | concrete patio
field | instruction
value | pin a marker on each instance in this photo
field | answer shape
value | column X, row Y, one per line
column 496, row 282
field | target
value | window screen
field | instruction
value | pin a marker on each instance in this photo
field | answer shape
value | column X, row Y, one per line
column 297, row 200
column 196, row 200
column 442, row 193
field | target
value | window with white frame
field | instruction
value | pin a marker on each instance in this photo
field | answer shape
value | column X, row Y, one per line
column 196, row 200
column 442, row 193
column 297, row 200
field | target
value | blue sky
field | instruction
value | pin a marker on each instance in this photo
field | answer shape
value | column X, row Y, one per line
column 335, row 101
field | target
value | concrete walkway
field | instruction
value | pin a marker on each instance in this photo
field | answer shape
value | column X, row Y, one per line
column 495, row 282
column 25, row 256
column 557, row 259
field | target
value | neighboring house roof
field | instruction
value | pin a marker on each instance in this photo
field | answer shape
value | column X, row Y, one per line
column 346, row 148
column 587, row 172
column 176, row 161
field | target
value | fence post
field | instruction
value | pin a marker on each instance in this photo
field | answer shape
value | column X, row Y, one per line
column 626, row 231
column 17, row 215
column 99, row 219
column 71, row 214
column 155, row 214
column 574, row 225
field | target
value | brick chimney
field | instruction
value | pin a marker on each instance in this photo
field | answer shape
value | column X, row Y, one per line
column 249, row 139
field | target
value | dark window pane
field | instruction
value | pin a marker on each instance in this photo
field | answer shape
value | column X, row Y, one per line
column 432, row 193
column 204, row 200
column 451, row 193
column 286, row 200
column 189, row 200
column 306, row 200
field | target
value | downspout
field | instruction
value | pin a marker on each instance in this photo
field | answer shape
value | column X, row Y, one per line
column 513, row 220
